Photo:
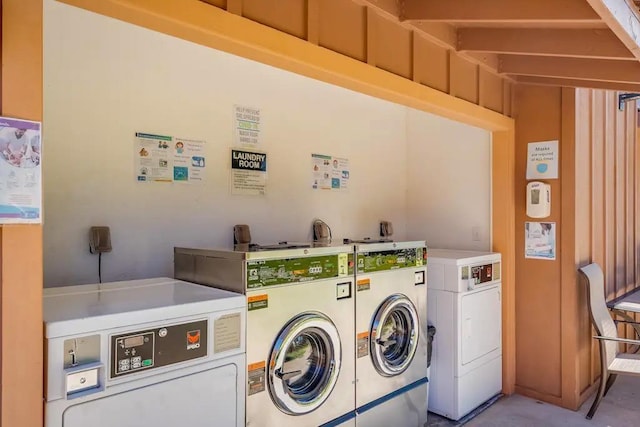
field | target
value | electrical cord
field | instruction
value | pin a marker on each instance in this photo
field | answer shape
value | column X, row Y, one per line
column 100, row 267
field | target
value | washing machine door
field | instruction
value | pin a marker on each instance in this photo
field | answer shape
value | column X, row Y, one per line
column 304, row 363
column 394, row 335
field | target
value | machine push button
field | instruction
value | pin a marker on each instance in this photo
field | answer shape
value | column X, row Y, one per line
column 123, row 365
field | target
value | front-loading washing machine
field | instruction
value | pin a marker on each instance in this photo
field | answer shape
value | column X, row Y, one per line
column 153, row 352
column 391, row 334
column 300, row 328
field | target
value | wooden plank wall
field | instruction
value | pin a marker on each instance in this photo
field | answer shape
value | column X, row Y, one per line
column 597, row 213
column 359, row 32
column 538, row 115
column 21, row 344
column 607, row 207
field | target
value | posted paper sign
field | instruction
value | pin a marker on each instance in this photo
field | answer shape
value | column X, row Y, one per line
column 540, row 240
column 163, row 158
column 188, row 161
column 329, row 173
column 247, row 125
column 154, row 160
column 248, row 172
column 20, row 171
column 542, row 161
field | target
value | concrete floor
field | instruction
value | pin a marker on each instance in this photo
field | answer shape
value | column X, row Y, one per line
column 620, row 408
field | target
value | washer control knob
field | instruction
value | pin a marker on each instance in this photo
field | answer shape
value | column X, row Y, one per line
column 162, row 332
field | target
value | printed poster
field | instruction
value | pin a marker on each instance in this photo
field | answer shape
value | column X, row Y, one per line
column 247, row 125
column 329, row 173
column 540, row 240
column 20, row 171
column 248, row 172
column 189, row 161
column 154, row 157
column 542, row 160
column 163, row 158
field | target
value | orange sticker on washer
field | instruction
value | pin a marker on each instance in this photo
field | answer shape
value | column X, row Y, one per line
column 363, row 284
column 362, row 344
column 256, row 302
column 256, row 377
column 257, row 365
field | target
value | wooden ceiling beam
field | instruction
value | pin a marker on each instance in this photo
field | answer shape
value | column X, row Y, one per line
column 571, row 68
column 548, row 81
column 578, row 43
column 439, row 33
column 623, row 19
column 388, row 8
column 497, row 10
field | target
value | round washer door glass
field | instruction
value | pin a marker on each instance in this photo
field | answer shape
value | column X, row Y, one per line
column 394, row 335
column 304, row 363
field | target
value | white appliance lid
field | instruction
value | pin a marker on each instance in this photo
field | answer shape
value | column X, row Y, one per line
column 455, row 256
column 71, row 309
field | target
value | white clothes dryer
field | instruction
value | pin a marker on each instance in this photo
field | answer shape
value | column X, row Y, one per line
column 466, row 309
column 153, row 352
column 391, row 327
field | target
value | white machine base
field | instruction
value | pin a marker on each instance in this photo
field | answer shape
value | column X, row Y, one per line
column 184, row 401
column 471, row 390
column 393, row 412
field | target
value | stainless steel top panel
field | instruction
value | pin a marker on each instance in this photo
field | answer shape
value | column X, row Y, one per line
column 247, row 255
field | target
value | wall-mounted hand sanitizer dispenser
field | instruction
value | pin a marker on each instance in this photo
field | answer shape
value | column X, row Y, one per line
column 538, row 199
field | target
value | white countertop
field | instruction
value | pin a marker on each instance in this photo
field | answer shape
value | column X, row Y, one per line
column 69, row 309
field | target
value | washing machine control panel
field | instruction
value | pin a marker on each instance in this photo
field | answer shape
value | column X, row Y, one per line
column 153, row 348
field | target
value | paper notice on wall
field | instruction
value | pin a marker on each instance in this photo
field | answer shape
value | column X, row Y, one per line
column 189, row 161
column 540, row 240
column 20, row 171
column 154, row 157
column 163, row 158
column 542, row 160
column 247, row 125
column 329, row 173
column 248, row 172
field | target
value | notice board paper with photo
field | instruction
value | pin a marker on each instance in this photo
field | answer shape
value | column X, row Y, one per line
column 164, row 158
column 329, row 173
column 20, row 171
column 540, row 240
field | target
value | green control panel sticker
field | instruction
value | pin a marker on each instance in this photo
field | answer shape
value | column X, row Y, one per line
column 352, row 264
column 293, row 270
column 391, row 260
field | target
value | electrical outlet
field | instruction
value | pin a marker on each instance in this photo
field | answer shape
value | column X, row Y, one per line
column 475, row 233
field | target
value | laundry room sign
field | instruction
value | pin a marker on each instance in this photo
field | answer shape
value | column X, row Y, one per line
column 248, row 172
